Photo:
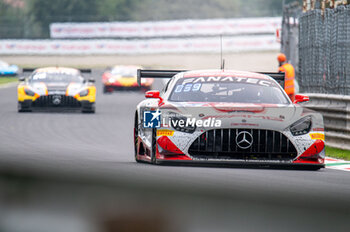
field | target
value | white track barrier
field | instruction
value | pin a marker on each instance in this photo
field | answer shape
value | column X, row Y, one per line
column 150, row 46
column 209, row 27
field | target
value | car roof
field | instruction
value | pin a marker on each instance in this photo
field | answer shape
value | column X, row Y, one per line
column 127, row 67
column 220, row 72
column 72, row 71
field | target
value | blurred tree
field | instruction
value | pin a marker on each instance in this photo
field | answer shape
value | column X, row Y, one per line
column 34, row 19
column 46, row 12
column 185, row 9
column 13, row 19
column 117, row 10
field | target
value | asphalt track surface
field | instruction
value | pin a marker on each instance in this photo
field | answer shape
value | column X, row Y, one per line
column 73, row 146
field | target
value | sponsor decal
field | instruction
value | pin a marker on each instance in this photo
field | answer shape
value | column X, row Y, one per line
column 177, row 28
column 317, row 136
column 194, row 84
column 164, row 132
column 151, row 119
column 191, row 122
column 244, row 124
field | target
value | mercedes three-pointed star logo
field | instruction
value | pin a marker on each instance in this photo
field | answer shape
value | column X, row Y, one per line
column 244, row 140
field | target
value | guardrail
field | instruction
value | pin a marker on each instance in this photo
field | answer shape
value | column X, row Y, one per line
column 335, row 110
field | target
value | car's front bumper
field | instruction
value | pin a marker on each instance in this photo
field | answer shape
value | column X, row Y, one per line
column 243, row 164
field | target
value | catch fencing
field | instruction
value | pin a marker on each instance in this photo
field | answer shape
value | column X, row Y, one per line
column 324, row 65
column 324, row 51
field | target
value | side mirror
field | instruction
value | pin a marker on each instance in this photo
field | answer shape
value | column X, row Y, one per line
column 91, row 80
column 21, row 79
column 152, row 94
column 301, row 98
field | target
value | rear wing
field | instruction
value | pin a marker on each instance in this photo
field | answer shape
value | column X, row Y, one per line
column 156, row 74
column 279, row 77
column 30, row 70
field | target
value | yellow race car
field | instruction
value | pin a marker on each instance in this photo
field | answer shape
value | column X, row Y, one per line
column 124, row 77
column 56, row 88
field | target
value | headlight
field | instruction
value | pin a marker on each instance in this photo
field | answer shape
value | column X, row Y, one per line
column 301, row 126
column 111, row 80
column 84, row 93
column 181, row 123
column 29, row 92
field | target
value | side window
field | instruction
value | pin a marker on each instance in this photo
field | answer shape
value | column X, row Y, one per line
column 166, row 86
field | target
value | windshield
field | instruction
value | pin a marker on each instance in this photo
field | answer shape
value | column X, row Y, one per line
column 227, row 89
column 125, row 72
column 55, row 77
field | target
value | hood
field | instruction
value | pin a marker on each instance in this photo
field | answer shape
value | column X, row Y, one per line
column 69, row 89
column 57, row 88
column 237, row 115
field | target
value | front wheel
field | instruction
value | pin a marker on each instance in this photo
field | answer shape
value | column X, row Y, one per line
column 21, row 108
column 105, row 90
column 136, row 136
column 154, row 146
column 89, row 108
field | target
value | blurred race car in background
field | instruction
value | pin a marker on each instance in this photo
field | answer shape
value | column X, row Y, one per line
column 124, row 78
column 56, row 88
column 216, row 116
column 7, row 69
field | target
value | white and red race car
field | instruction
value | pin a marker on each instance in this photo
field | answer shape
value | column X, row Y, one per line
column 226, row 116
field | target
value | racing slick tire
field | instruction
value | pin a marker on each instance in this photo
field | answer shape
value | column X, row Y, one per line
column 136, row 133
column 23, row 107
column 105, row 90
column 312, row 167
column 154, row 146
column 88, row 108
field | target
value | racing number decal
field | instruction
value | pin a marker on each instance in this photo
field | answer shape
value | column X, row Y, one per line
column 196, row 87
column 178, row 88
column 188, row 88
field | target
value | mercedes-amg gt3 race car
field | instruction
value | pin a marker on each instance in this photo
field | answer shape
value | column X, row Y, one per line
column 225, row 116
column 56, row 88
column 124, row 78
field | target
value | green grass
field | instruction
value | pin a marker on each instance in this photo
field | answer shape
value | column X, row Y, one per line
column 5, row 80
column 337, row 153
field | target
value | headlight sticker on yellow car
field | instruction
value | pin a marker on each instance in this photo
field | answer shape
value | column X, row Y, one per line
column 317, row 136
column 165, row 132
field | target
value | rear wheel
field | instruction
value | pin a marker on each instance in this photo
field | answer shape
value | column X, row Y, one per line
column 154, row 146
